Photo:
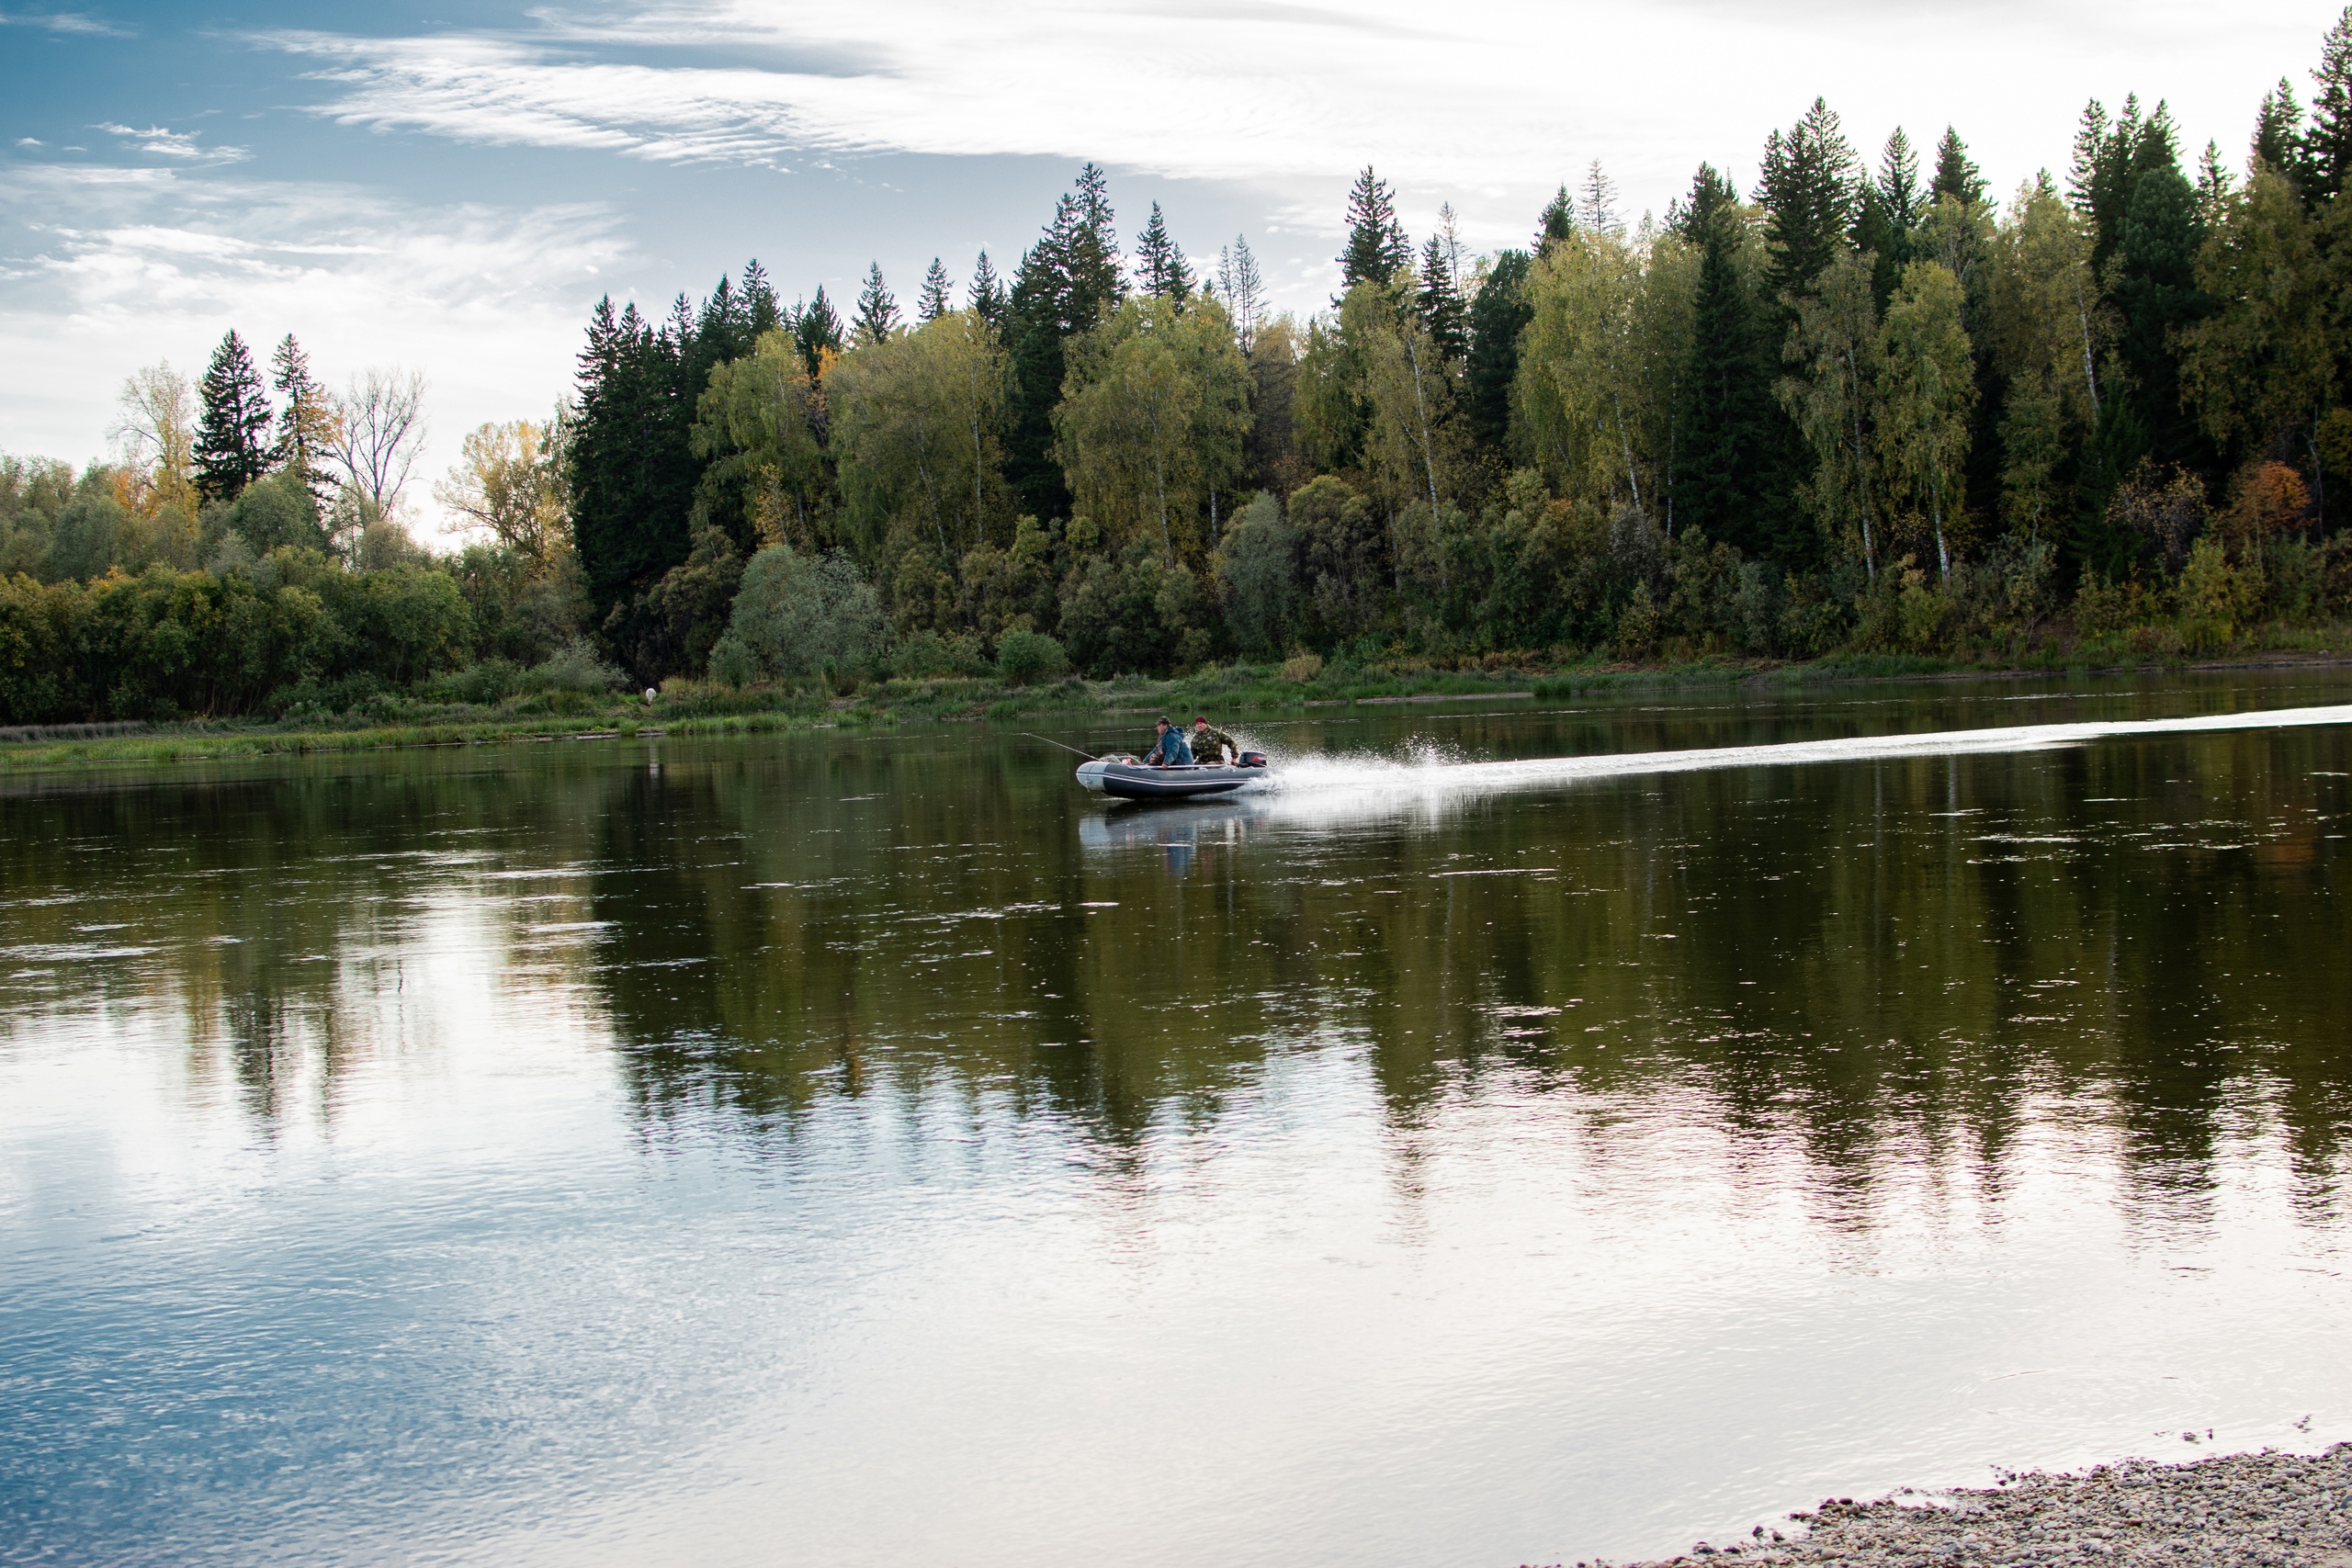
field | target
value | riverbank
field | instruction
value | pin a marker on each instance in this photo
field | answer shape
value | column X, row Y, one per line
column 2235, row 1511
column 691, row 708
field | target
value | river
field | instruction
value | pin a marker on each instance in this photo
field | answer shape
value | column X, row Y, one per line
column 1486, row 1147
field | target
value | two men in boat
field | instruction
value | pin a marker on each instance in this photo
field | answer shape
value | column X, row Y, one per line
column 1209, row 745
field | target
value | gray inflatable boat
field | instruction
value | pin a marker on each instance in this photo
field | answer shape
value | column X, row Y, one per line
column 1122, row 778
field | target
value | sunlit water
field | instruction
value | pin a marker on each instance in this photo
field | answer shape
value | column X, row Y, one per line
column 1496, row 1142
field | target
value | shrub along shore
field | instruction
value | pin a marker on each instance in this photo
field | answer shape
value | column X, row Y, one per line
column 684, row 709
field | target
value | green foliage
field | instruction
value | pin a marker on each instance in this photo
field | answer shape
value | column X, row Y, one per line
column 800, row 617
column 1027, row 657
column 232, row 424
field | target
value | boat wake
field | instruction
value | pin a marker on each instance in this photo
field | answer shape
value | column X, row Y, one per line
column 1326, row 785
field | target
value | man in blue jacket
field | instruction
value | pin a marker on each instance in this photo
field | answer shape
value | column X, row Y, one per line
column 1170, row 751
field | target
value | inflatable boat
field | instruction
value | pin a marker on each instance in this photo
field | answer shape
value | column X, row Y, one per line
column 1124, row 778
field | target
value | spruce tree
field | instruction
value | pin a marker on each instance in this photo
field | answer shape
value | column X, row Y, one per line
column 1597, row 203
column 1243, row 290
column 1064, row 285
column 2329, row 142
column 232, row 424
column 1498, row 313
column 760, row 305
column 1690, row 216
column 1890, row 209
column 1440, row 304
column 306, row 419
column 878, row 312
column 2214, row 185
column 632, row 468
column 2156, row 293
column 987, row 294
column 1734, row 429
column 935, row 301
column 1556, row 222
column 1807, row 193
column 1377, row 248
column 1160, row 267
column 1956, row 173
column 817, row 332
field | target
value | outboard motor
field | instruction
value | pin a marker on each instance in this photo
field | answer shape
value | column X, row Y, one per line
column 1253, row 759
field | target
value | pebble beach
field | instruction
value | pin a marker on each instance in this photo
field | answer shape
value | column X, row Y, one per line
column 2251, row 1510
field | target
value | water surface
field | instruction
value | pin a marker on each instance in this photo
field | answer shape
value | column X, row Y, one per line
column 842, row 1149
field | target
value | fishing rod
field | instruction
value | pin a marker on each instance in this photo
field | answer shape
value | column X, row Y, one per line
column 1072, row 749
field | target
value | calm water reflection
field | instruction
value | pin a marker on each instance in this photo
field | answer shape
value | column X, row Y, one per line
column 847, row 1149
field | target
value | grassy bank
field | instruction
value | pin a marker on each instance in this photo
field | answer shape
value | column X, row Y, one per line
column 686, row 709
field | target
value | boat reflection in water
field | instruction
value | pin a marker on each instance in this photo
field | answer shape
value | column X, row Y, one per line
column 1177, row 829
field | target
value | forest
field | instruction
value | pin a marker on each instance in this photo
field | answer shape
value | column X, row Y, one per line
column 1868, row 405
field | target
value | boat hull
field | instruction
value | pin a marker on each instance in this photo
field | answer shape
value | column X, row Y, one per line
column 1135, row 780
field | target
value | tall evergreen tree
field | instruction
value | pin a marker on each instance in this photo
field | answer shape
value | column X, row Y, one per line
column 760, row 306
column 987, row 294
column 1066, row 283
column 2109, row 158
column 1890, row 209
column 2277, row 140
column 2155, row 290
column 817, row 332
column 306, row 420
column 633, row 470
column 2329, row 142
column 1377, row 248
column 1956, row 173
column 1734, row 428
column 1597, row 202
column 1161, row 268
column 1807, row 193
column 1556, row 222
column 1690, row 216
column 1440, row 304
column 232, row 424
column 1241, row 289
column 1498, row 313
column 935, row 301
column 878, row 312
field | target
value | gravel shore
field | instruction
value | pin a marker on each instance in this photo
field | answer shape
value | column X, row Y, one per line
column 2263, row 1508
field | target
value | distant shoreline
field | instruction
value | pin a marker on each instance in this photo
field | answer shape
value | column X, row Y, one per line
column 701, row 710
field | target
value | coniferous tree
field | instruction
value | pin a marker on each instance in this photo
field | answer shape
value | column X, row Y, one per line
column 878, row 312
column 1556, row 222
column 1440, row 304
column 631, row 462
column 2155, row 290
column 2109, row 158
column 934, row 300
column 1691, row 216
column 1807, row 193
column 1241, row 289
column 2277, row 140
column 1597, row 202
column 817, row 332
column 232, row 424
column 1066, row 283
column 1498, row 313
column 1733, row 426
column 987, row 294
column 2214, row 185
column 2329, row 142
column 1160, row 267
column 1377, row 249
column 305, row 420
column 760, row 308
column 1956, row 173
column 1889, row 210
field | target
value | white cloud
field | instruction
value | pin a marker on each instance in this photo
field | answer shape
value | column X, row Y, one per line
column 64, row 22
column 129, row 266
column 180, row 144
column 1489, row 103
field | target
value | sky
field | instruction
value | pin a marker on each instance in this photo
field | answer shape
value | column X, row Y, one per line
column 451, row 186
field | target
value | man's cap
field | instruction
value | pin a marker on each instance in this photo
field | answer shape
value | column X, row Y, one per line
column 1200, row 718
column 1162, row 720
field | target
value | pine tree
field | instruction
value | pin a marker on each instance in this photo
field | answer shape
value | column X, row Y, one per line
column 632, row 469
column 1440, row 304
column 2155, row 290
column 2277, row 134
column 306, row 420
column 1732, row 425
column 1807, row 193
column 2214, row 185
column 232, row 424
column 935, row 301
column 1556, row 222
column 1377, row 249
column 1498, row 315
column 1956, row 173
column 1066, row 283
column 878, row 312
column 817, row 332
column 987, row 294
column 1161, row 266
column 2329, row 142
